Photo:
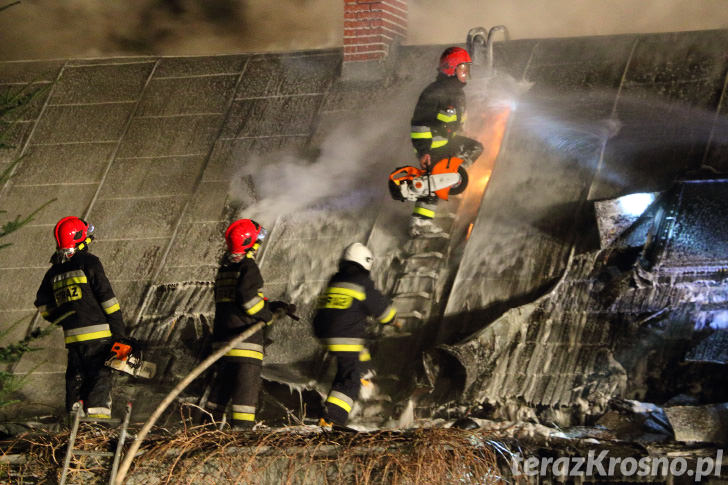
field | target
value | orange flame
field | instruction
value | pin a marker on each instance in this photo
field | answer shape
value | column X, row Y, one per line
column 492, row 127
column 492, row 134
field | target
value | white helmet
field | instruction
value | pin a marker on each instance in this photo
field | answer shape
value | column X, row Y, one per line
column 358, row 253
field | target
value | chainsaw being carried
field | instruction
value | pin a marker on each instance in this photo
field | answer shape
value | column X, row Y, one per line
column 445, row 178
column 127, row 356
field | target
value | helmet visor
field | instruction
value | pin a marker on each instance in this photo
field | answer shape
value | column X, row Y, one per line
column 462, row 71
column 262, row 234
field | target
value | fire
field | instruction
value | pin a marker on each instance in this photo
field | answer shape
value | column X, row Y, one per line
column 492, row 135
column 483, row 181
column 493, row 127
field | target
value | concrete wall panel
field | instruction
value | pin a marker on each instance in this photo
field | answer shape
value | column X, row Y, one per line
column 198, row 244
column 14, row 137
column 199, row 66
column 175, row 96
column 14, row 294
column 289, row 115
column 22, row 72
column 138, row 218
column 276, row 75
column 83, row 123
column 128, row 260
column 70, row 199
column 32, row 246
column 64, row 164
column 231, row 155
column 193, row 272
column 208, row 202
column 101, row 83
column 38, row 93
column 155, row 137
column 153, row 177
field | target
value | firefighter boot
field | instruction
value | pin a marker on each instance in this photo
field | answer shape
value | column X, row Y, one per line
column 326, row 425
column 419, row 226
column 367, row 385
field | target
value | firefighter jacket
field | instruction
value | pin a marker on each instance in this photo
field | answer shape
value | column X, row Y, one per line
column 439, row 114
column 77, row 295
column 239, row 301
column 342, row 309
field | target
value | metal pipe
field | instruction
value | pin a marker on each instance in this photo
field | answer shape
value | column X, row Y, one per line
column 71, row 441
column 477, row 37
column 489, row 43
column 120, row 444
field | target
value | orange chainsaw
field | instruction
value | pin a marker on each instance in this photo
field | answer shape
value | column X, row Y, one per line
column 126, row 356
column 445, row 178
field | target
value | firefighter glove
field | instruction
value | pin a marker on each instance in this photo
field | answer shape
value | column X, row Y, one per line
column 283, row 307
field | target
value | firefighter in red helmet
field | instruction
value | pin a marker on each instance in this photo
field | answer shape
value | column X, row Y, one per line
column 239, row 303
column 76, row 295
column 437, row 119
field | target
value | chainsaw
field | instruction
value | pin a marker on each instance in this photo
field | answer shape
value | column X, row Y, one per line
column 126, row 356
column 445, row 178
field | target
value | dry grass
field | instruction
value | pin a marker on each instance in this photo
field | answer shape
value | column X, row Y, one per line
column 296, row 455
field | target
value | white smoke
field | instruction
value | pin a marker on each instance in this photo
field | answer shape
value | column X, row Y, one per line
column 351, row 166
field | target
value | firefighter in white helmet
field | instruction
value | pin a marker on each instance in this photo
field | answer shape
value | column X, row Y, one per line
column 342, row 309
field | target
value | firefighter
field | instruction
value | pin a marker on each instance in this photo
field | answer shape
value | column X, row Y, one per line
column 76, row 294
column 438, row 116
column 239, row 303
column 349, row 298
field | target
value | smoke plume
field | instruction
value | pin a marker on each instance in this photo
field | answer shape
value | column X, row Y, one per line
column 42, row 29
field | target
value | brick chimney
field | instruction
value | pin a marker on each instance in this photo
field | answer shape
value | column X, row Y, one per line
column 372, row 31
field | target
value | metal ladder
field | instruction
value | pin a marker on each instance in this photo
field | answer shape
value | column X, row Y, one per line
column 417, row 286
column 70, row 452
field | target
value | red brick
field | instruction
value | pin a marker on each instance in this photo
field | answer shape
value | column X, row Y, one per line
column 361, row 32
column 398, row 29
column 363, row 57
column 393, row 19
column 402, row 14
column 349, row 24
column 358, row 8
column 368, row 15
column 377, row 47
column 397, row 4
column 370, row 39
column 378, row 26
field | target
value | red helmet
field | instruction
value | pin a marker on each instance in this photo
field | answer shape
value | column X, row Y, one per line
column 450, row 59
column 71, row 231
column 242, row 234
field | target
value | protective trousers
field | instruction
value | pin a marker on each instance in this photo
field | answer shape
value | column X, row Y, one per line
column 458, row 146
column 238, row 380
column 88, row 379
column 345, row 389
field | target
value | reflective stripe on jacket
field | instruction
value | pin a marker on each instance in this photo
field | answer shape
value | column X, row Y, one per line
column 239, row 300
column 346, row 302
column 77, row 295
column 439, row 114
